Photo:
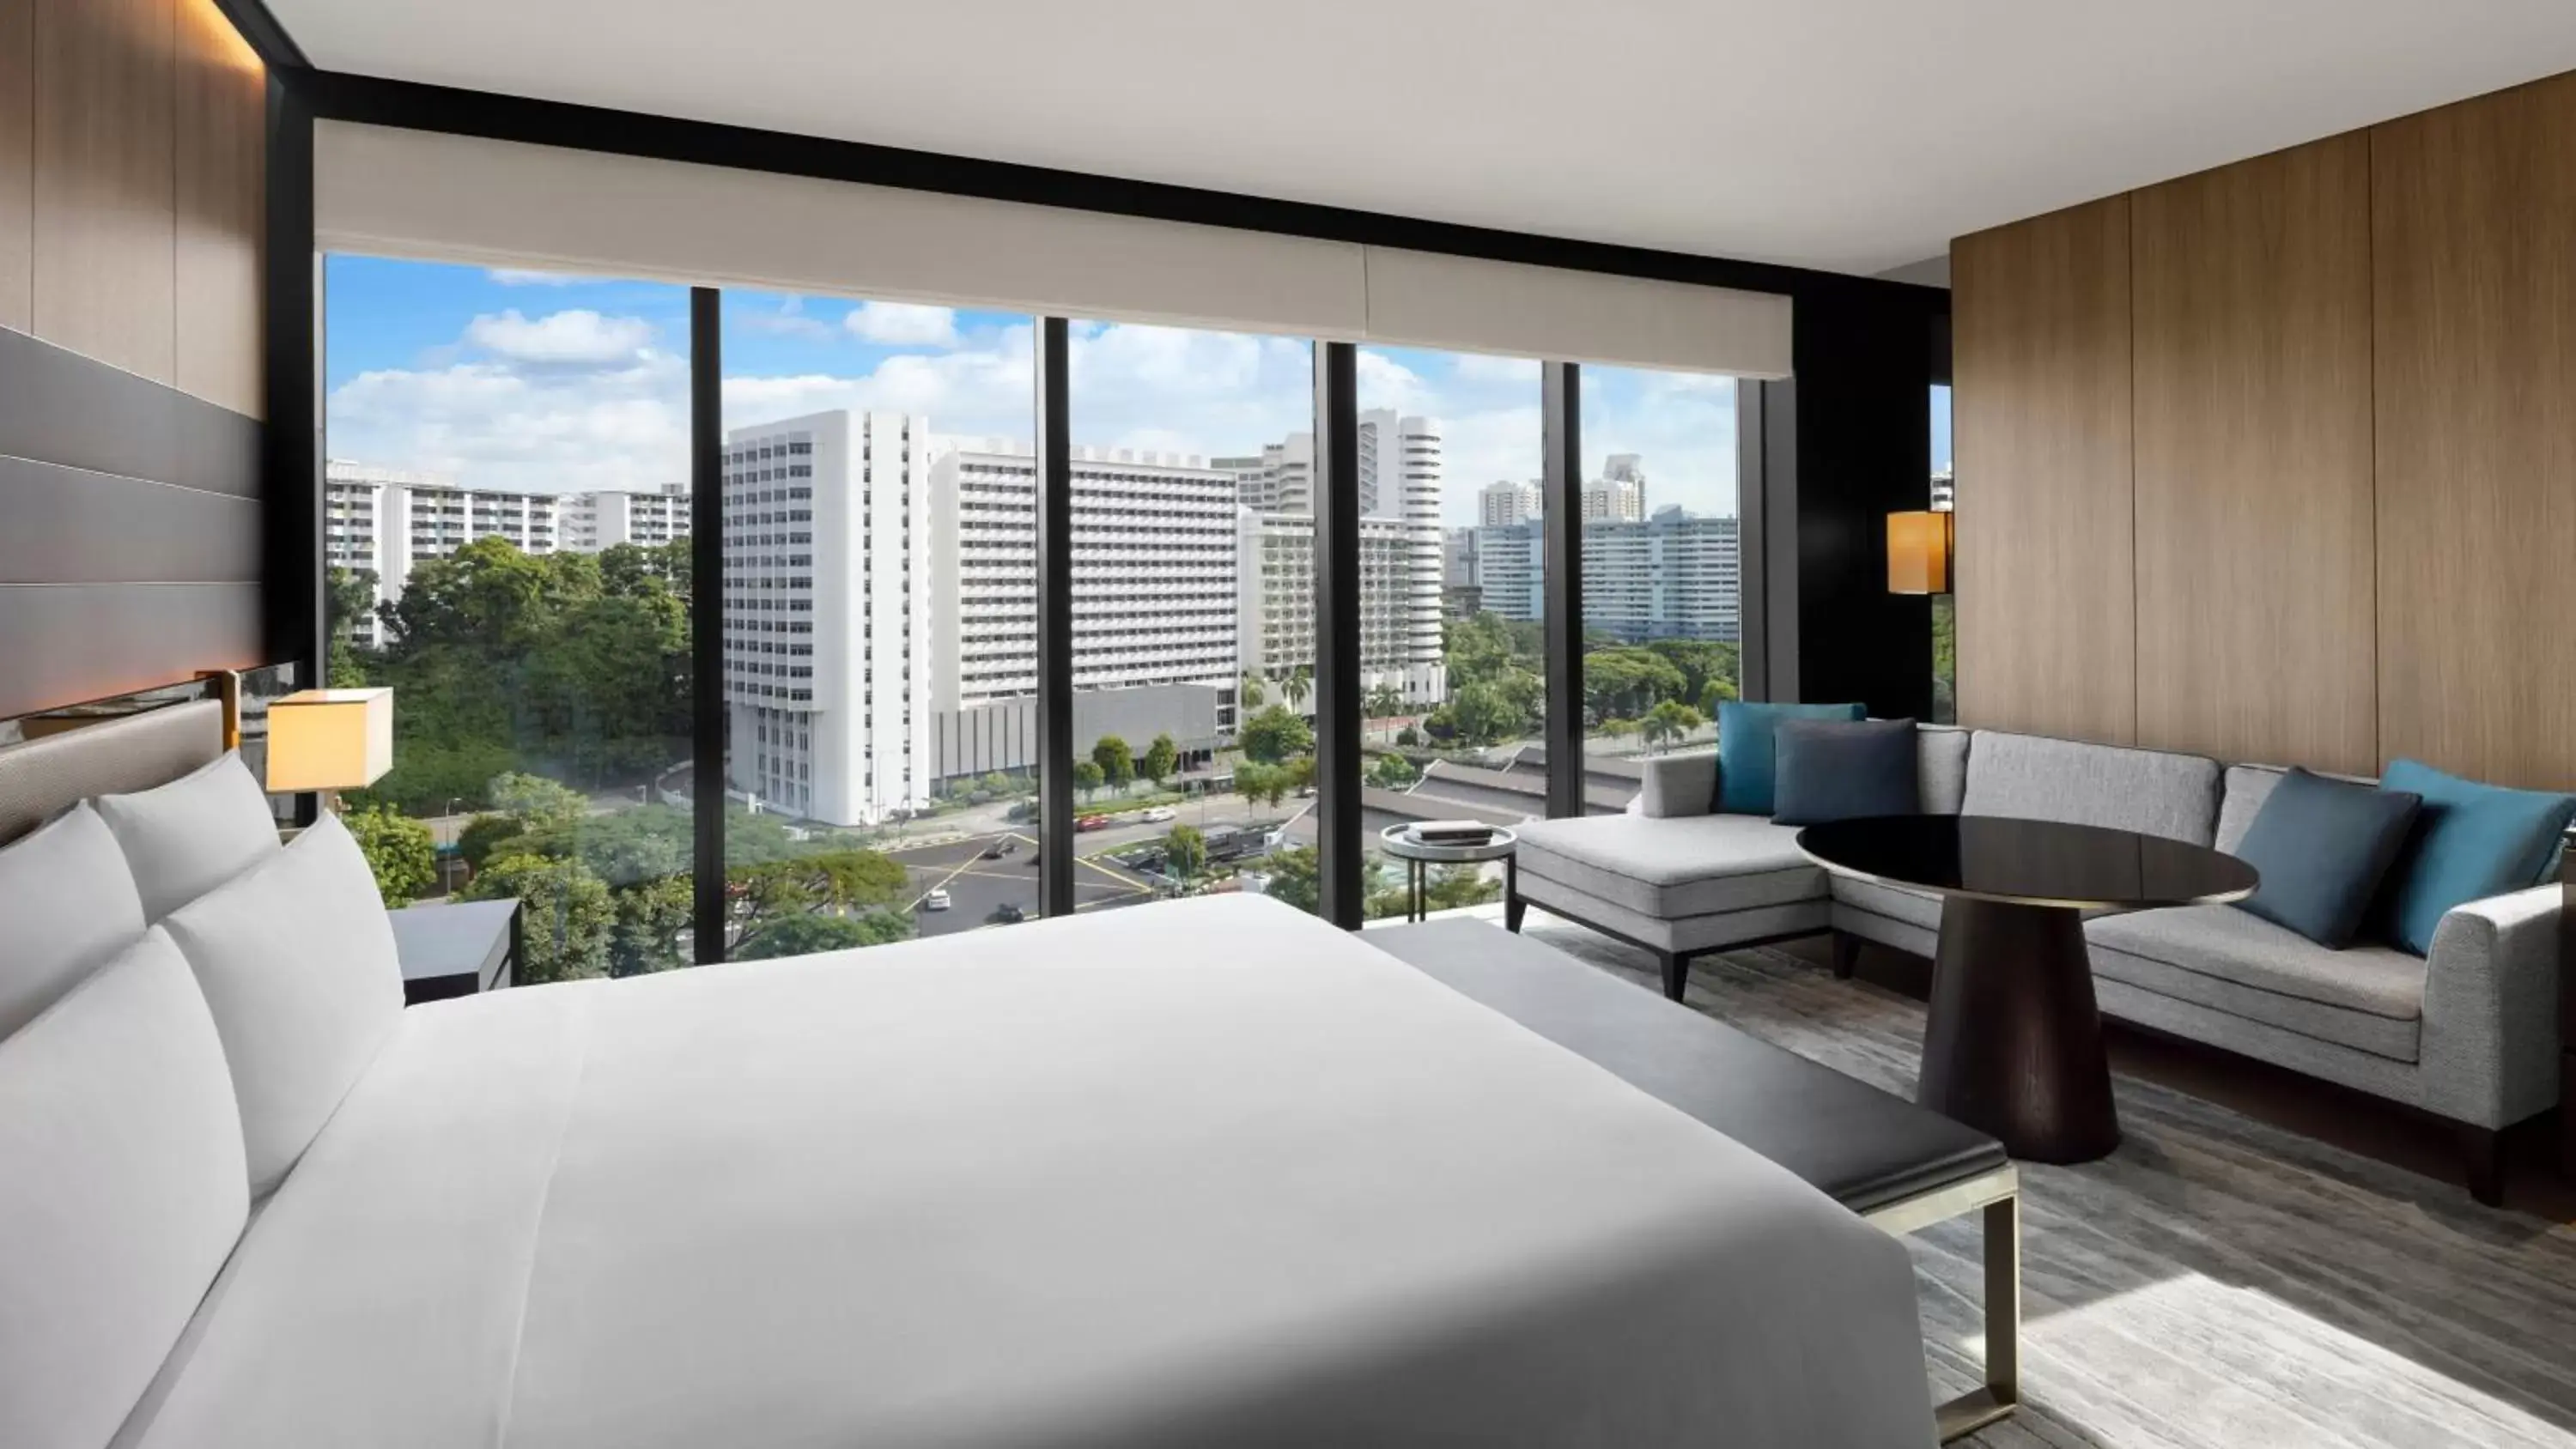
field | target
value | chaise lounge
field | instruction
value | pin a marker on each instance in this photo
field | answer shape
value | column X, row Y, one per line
column 2468, row 1033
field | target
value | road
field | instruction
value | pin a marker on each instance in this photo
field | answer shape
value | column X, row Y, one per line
column 977, row 886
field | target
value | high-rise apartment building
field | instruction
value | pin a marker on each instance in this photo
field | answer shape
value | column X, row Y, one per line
column 827, row 665
column 1510, row 561
column 385, row 520
column 594, row 522
column 1506, row 502
column 1401, row 560
column 1673, row 576
column 1153, row 575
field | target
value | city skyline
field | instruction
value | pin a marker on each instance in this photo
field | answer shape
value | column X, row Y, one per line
column 491, row 378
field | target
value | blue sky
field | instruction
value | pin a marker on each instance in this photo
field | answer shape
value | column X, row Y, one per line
column 520, row 380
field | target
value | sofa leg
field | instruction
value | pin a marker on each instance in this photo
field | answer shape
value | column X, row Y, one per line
column 2481, row 1155
column 1676, row 974
column 1846, row 954
column 1513, row 909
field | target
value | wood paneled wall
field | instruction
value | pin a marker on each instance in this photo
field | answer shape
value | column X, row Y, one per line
column 2040, row 413
column 132, row 205
column 2252, row 333
column 131, row 138
column 2349, row 527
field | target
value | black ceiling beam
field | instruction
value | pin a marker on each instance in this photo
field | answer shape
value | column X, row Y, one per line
column 409, row 104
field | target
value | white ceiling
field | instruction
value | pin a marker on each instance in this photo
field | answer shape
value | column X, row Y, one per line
column 1855, row 135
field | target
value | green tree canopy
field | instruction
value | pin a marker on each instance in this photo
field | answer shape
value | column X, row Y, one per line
column 1162, row 760
column 565, row 914
column 484, row 835
column 807, row 935
column 1185, row 851
column 1293, row 877
column 536, row 802
column 651, row 917
column 1702, row 662
column 1088, row 776
column 1669, row 721
column 398, row 850
column 1393, row 772
column 1116, row 761
column 1275, row 734
column 1628, row 682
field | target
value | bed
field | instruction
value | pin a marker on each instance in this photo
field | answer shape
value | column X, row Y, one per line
column 1196, row 1173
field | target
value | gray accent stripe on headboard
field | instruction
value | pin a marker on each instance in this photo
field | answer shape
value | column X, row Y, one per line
column 42, row 777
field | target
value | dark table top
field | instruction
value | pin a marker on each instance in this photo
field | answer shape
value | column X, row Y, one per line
column 2028, row 862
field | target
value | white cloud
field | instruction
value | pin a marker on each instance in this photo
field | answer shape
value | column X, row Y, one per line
column 788, row 321
column 1478, row 367
column 903, row 324
column 575, row 337
column 499, row 424
column 1387, row 383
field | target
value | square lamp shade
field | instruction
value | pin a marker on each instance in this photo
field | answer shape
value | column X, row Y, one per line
column 1918, row 552
column 330, row 739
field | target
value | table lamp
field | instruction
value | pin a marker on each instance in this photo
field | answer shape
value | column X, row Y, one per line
column 330, row 740
column 1918, row 552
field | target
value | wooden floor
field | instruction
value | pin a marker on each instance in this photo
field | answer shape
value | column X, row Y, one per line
column 2262, row 1262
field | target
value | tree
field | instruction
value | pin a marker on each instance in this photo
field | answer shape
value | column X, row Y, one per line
column 1614, row 728
column 1702, row 662
column 1298, row 686
column 1486, row 713
column 398, row 850
column 1161, row 761
column 1719, row 692
column 536, row 802
column 1185, row 851
column 1627, row 682
column 484, row 835
column 1256, row 781
column 1088, row 776
column 1385, row 702
column 1670, row 720
column 1393, row 772
column 564, row 911
column 1251, row 696
column 1116, row 761
column 348, row 595
column 1275, row 734
column 1293, row 878
column 651, row 916
column 807, row 935
column 1409, row 737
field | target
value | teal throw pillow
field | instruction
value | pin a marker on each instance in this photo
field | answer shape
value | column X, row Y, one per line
column 2470, row 841
column 1745, row 751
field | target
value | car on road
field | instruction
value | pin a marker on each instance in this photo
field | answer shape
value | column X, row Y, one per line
column 1007, row 914
column 937, row 900
column 1092, row 822
column 1159, row 814
column 1007, row 845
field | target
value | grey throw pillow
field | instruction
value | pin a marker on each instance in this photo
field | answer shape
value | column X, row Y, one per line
column 1843, row 769
column 2321, row 847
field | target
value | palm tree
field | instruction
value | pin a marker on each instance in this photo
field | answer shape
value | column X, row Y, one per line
column 1299, row 684
column 1252, row 695
column 1385, row 702
column 1670, row 720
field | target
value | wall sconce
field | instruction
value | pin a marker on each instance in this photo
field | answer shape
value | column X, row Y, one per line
column 1918, row 552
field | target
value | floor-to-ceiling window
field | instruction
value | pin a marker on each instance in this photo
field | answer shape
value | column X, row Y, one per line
column 1663, row 616
column 880, row 623
column 506, row 521
column 1452, row 566
column 1193, row 590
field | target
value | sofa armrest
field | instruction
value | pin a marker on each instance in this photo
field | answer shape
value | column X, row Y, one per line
column 1677, row 785
column 2490, row 1048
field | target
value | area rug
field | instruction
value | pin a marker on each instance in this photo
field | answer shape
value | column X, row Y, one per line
column 2215, row 1282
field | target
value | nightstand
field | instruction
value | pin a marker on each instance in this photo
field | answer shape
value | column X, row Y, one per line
column 455, row 948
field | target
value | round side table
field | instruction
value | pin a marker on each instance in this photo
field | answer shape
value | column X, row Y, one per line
column 1419, row 856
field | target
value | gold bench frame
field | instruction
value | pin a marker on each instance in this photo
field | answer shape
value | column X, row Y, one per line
column 1998, row 1193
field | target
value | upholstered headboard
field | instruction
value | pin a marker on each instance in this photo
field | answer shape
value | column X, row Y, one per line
column 128, row 752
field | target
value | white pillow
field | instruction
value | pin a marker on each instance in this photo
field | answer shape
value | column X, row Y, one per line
column 296, row 957
column 121, row 1192
column 185, row 838
column 68, row 904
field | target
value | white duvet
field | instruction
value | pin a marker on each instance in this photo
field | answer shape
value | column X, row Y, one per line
column 1206, row 1173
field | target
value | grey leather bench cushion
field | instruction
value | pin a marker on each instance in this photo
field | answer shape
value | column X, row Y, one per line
column 2031, row 777
column 1860, row 1146
column 1675, row 867
column 2369, row 998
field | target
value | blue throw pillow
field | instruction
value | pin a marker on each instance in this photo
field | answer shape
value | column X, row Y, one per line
column 2322, row 847
column 1744, row 753
column 2470, row 841
column 1843, row 769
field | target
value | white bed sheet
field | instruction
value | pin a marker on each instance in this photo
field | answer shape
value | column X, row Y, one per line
column 1204, row 1173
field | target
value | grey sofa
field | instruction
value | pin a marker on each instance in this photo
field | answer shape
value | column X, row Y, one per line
column 2469, row 1035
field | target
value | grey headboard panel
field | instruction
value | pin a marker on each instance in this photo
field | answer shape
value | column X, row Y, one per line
column 130, row 752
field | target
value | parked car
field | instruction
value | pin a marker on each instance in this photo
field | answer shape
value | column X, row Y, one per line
column 1007, row 914
column 1092, row 822
column 1159, row 814
column 1007, row 845
column 937, row 900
